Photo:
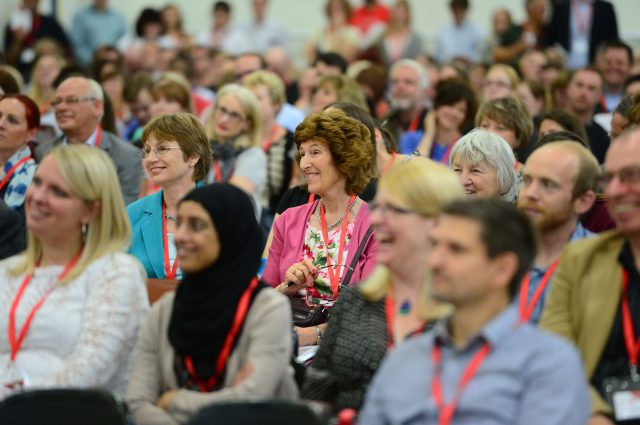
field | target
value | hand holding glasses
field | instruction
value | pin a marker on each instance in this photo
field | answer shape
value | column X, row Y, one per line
column 302, row 275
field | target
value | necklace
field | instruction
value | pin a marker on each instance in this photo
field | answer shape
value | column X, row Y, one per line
column 329, row 228
column 405, row 308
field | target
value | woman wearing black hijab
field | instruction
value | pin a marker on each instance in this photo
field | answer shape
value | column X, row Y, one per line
column 223, row 335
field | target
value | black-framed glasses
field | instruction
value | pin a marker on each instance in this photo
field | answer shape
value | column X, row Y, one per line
column 160, row 151
column 628, row 175
column 388, row 208
column 233, row 116
column 71, row 100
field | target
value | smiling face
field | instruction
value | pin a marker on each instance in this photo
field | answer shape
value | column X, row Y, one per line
column 230, row 119
column 169, row 166
column 450, row 117
column 323, row 96
column 197, row 242
column 53, row 211
column 400, row 233
column 496, row 85
column 14, row 131
column 478, row 180
column 623, row 198
column 318, row 168
column 80, row 116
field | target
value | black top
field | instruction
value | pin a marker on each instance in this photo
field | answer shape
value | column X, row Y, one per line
column 351, row 350
column 615, row 360
column 12, row 231
column 598, row 139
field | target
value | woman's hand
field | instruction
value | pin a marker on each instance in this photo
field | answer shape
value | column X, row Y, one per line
column 426, row 143
column 298, row 276
column 165, row 400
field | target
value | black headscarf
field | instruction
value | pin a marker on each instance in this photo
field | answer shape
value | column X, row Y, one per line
column 206, row 301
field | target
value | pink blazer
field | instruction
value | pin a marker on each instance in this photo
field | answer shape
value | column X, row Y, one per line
column 288, row 240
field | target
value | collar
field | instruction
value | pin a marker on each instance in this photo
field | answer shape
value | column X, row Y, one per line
column 493, row 332
column 22, row 153
column 580, row 232
column 628, row 262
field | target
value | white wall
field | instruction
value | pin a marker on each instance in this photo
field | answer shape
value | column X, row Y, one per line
column 304, row 16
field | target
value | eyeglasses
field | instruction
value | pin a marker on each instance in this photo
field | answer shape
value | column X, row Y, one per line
column 71, row 100
column 160, row 152
column 490, row 83
column 629, row 175
column 233, row 116
column 388, row 208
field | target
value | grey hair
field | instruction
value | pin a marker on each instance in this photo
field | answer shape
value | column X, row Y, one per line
column 95, row 90
column 423, row 76
column 484, row 146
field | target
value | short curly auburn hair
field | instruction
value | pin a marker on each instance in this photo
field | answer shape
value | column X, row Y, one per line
column 349, row 142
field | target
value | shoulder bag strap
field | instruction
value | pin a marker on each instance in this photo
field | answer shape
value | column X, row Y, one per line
column 356, row 257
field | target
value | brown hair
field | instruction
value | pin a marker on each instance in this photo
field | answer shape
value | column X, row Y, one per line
column 185, row 129
column 173, row 90
column 348, row 140
column 510, row 112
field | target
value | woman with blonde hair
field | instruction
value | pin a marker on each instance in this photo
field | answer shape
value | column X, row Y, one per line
column 337, row 88
column 393, row 303
column 234, row 129
column 73, row 298
column 501, row 81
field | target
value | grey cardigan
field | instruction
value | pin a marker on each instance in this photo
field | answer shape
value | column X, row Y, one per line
column 264, row 343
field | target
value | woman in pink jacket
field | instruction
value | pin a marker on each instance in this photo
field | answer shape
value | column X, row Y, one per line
column 314, row 245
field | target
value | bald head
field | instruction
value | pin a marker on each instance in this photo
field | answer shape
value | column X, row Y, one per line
column 79, row 105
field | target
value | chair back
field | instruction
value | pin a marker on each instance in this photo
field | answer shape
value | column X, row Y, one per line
column 64, row 407
column 265, row 412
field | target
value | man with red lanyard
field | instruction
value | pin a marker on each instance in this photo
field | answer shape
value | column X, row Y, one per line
column 558, row 186
column 595, row 297
column 408, row 88
column 481, row 365
column 79, row 106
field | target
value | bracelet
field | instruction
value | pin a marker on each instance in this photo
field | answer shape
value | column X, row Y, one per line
column 318, row 335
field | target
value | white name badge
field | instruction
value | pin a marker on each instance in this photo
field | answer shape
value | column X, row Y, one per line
column 626, row 405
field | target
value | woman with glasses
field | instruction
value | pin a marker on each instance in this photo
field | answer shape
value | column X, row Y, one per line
column 235, row 131
column 314, row 245
column 393, row 303
column 501, row 81
column 19, row 122
column 222, row 335
column 71, row 303
column 175, row 153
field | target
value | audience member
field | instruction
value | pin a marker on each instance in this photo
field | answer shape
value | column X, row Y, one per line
column 501, row 81
column 137, row 94
column 579, row 27
column 371, row 18
column 19, row 122
column 619, row 119
column 480, row 365
column 393, row 303
column 595, row 288
column 174, row 27
column 462, row 39
column 337, row 88
column 235, row 132
column 94, row 26
column 558, row 186
column 12, row 231
column 314, row 245
column 264, row 32
column 45, row 71
column 583, row 94
column 560, row 120
column 88, row 297
column 399, row 40
column 223, row 35
column 181, row 159
column 409, row 103
column 614, row 60
column 222, row 335
column 508, row 118
column 339, row 36
column 79, row 106
column 485, row 164
column 532, row 65
column 506, row 44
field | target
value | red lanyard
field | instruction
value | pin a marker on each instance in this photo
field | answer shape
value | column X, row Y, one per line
column 415, row 121
column 98, row 137
column 269, row 141
column 14, row 343
column 633, row 345
column 11, row 171
column 218, row 171
column 221, row 361
column 390, row 317
column 389, row 163
column 527, row 310
column 312, row 197
column 448, row 410
column 35, row 27
column 447, row 153
column 169, row 271
column 334, row 275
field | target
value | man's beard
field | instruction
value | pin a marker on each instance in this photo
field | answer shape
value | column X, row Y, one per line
column 402, row 104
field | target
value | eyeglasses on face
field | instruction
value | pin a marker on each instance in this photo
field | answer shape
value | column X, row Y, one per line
column 628, row 175
column 233, row 116
column 71, row 100
column 160, row 151
column 384, row 209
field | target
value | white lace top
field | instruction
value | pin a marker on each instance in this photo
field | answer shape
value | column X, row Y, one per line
column 84, row 333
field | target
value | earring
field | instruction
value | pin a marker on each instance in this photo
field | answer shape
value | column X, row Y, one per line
column 85, row 230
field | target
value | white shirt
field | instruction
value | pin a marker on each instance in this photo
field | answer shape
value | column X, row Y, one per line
column 84, row 333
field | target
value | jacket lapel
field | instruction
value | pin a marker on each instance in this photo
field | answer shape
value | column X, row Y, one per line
column 151, row 226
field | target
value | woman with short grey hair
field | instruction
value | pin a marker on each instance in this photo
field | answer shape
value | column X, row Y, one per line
column 486, row 165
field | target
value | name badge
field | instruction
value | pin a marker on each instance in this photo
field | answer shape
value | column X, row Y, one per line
column 623, row 393
column 580, row 46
